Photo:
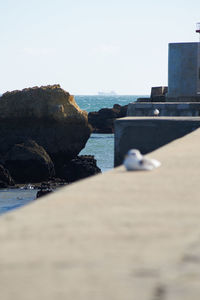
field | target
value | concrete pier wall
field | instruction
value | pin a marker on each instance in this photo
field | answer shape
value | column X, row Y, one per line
column 117, row 236
column 149, row 133
column 166, row 109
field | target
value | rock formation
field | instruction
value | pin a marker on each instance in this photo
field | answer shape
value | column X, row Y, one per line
column 48, row 115
column 42, row 193
column 102, row 121
column 5, row 178
column 29, row 162
column 41, row 130
column 80, row 167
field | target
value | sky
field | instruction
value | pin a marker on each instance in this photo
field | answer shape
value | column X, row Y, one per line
column 88, row 46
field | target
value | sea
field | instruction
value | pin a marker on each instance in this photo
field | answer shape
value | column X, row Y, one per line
column 97, row 145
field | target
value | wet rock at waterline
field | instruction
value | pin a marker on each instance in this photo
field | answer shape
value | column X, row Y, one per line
column 5, row 178
column 80, row 167
column 29, row 162
column 42, row 193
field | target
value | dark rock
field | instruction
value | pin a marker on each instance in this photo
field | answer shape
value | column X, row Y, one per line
column 48, row 115
column 51, row 184
column 3, row 185
column 80, row 167
column 103, row 120
column 5, row 178
column 42, row 193
column 29, row 162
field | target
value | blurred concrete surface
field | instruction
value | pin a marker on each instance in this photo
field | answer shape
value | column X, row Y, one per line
column 116, row 236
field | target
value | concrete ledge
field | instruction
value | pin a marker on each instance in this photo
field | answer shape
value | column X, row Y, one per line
column 149, row 133
column 183, row 99
column 117, row 236
column 141, row 109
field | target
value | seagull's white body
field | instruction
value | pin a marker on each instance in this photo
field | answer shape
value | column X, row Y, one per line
column 156, row 112
column 134, row 160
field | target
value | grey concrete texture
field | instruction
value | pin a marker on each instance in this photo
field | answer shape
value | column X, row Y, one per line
column 141, row 109
column 117, row 236
column 158, row 91
column 183, row 99
column 149, row 133
column 183, row 77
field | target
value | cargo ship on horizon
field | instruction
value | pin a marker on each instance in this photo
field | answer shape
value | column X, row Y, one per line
column 111, row 93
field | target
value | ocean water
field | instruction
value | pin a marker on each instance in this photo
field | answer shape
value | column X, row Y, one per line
column 99, row 145
column 94, row 103
column 15, row 198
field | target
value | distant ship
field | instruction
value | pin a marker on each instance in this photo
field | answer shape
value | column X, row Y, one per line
column 111, row 93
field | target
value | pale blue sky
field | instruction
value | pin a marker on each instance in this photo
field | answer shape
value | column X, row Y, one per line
column 89, row 46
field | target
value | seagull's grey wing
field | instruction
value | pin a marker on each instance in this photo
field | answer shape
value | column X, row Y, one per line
column 149, row 164
column 155, row 162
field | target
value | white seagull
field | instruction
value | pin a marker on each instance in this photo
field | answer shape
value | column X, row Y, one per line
column 134, row 160
column 156, row 112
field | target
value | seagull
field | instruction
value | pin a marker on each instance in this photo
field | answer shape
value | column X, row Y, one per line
column 134, row 160
column 156, row 112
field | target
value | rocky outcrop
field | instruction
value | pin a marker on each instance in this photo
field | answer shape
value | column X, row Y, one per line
column 103, row 120
column 80, row 167
column 42, row 130
column 5, row 178
column 29, row 162
column 42, row 193
column 48, row 115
